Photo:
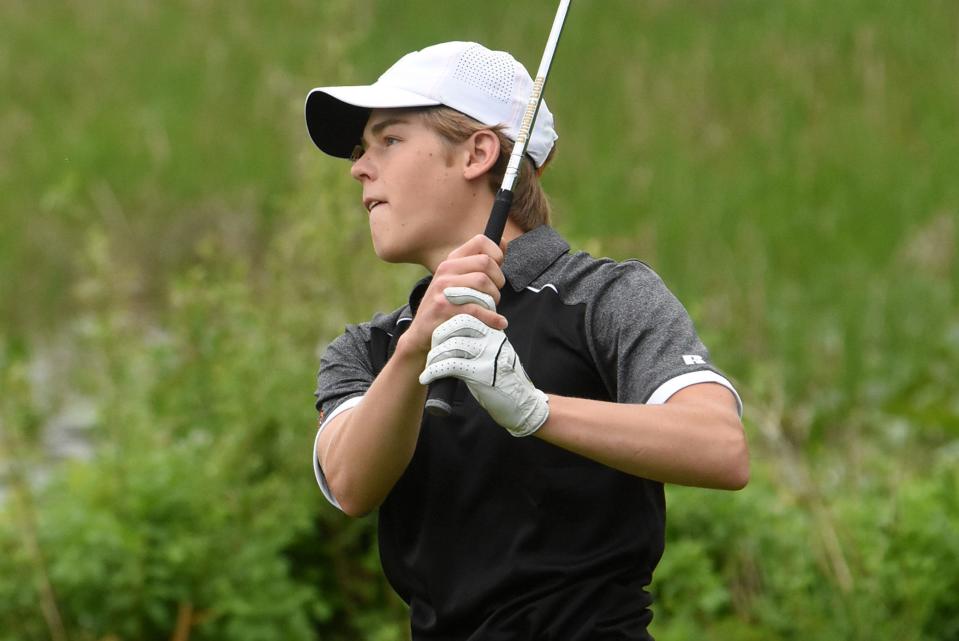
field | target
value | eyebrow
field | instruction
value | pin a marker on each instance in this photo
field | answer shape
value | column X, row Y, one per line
column 383, row 124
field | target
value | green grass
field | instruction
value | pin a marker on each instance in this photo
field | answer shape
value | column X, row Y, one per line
column 160, row 123
column 172, row 247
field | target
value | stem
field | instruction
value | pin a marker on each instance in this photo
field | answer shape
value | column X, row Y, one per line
column 184, row 622
column 797, row 473
column 27, row 521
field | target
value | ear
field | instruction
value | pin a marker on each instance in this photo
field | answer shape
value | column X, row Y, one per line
column 481, row 151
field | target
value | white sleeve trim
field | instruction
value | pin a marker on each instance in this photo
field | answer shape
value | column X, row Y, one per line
column 349, row 403
column 665, row 391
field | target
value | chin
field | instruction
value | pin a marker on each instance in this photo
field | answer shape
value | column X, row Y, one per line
column 391, row 258
column 393, row 254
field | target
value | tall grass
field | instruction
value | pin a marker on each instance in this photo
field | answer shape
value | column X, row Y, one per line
column 173, row 251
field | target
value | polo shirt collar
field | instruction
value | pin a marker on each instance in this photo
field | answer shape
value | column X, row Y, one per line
column 528, row 255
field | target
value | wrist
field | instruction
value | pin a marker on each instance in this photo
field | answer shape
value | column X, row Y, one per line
column 411, row 350
column 537, row 413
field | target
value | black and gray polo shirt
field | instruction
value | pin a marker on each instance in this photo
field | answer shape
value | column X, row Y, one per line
column 489, row 537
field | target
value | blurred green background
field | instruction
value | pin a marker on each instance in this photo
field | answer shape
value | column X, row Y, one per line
column 174, row 256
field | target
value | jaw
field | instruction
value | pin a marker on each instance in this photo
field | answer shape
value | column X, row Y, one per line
column 392, row 250
column 426, row 236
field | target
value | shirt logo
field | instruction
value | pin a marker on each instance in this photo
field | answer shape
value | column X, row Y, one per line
column 693, row 359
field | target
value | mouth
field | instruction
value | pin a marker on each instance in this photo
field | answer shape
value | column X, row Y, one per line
column 370, row 203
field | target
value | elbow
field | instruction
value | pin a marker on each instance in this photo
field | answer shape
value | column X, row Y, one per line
column 350, row 501
column 356, row 510
column 350, row 506
column 736, row 469
column 738, row 478
column 728, row 467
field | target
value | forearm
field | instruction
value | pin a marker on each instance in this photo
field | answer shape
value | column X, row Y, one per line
column 365, row 451
column 699, row 444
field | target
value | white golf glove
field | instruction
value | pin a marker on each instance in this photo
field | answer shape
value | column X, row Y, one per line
column 466, row 348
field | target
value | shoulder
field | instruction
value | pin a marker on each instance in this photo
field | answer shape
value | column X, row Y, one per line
column 623, row 301
column 582, row 278
column 356, row 337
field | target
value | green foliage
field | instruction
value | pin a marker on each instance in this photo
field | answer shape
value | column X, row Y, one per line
column 174, row 255
column 199, row 501
column 872, row 563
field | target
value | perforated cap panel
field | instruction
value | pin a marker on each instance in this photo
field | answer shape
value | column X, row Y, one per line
column 491, row 71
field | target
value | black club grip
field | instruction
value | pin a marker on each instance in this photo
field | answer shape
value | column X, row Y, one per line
column 439, row 402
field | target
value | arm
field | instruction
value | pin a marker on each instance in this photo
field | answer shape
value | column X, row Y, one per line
column 641, row 336
column 696, row 438
column 364, row 450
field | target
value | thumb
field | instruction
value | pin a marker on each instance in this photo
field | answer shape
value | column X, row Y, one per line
column 467, row 295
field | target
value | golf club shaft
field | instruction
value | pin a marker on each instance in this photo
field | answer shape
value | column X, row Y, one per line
column 440, row 399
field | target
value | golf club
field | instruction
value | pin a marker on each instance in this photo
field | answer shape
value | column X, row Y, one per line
column 439, row 402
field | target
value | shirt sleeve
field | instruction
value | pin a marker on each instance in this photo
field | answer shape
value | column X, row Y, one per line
column 642, row 334
column 345, row 374
column 345, row 369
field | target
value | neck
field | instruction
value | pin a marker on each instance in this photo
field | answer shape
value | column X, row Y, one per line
column 510, row 232
column 472, row 223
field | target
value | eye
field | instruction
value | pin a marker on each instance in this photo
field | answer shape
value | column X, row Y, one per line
column 357, row 153
column 389, row 141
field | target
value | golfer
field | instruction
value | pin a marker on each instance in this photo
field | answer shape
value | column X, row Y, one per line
column 536, row 509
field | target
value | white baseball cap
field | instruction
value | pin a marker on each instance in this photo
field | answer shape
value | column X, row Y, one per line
column 489, row 86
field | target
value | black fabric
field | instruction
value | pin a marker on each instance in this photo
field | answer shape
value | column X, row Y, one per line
column 491, row 537
column 487, row 536
column 383, row 342
column 335, row 126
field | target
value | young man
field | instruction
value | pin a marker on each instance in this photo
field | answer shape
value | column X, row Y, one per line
column 536, row 510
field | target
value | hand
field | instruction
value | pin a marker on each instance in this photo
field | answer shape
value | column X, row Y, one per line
column 474, row 265
column 468, row 349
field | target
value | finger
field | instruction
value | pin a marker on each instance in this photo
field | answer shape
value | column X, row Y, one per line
column 438, row 305
column 460, row 325
column 437, row 309
column 480, row 264
column 446, row 310
column 461, row 347
column 488, row 318
column 466, row 295
column 466, row 326
column 492, row 320
column 479, row 244
column 449, row 368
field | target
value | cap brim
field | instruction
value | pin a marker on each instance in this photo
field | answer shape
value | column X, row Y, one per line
column 336, row 116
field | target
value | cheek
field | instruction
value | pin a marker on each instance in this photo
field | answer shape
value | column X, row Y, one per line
column 381, row 229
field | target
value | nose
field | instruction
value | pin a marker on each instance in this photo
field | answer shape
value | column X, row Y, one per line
column 362, row 168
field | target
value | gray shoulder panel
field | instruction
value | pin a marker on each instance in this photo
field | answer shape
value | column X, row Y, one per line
column 345, row 367
column 639, row 334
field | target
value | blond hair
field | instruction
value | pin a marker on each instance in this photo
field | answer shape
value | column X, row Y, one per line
column 531, row 206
